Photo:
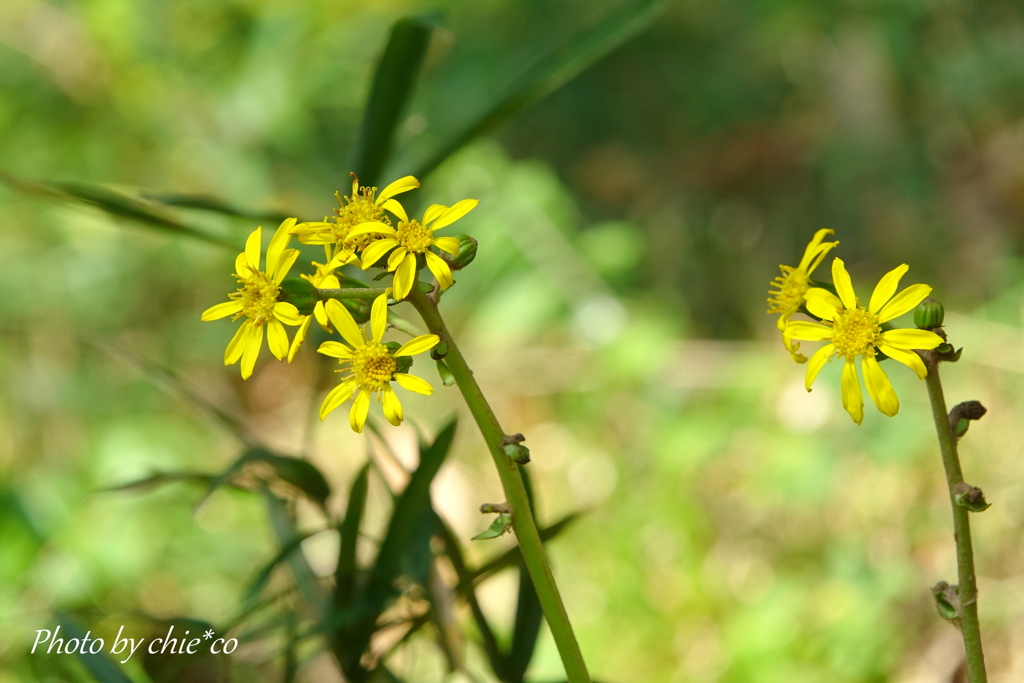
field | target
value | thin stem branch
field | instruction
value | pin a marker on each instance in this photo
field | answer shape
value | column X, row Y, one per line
column 530, row 544
column 968, row 584
column 350, row 293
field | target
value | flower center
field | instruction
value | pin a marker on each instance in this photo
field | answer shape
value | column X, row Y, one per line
column 360, row 208
column 855, row 332
column 414, row 237
column 258, row 295
column 789, row 292
column 373, row 366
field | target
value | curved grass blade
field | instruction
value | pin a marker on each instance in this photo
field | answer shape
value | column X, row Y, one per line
column 212, row 204
column 115, row 204
column 551, row 71
column 392, row 88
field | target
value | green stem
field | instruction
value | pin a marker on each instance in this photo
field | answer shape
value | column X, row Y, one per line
column 968, row 584
column 523, row 523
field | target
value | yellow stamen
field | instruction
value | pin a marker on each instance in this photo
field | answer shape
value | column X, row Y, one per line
column 414, row 237
column 258, row 295
column 855, row 332
column 372, row 367
column 791, row 288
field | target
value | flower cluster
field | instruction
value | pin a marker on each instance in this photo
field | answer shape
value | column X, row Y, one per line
column 851, row 329
column 369, row 227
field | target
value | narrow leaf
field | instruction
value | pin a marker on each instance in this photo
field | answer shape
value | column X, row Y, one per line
column 551, row 71
column 284, row 530
column 213, row 205
column 99, row 667
column 392, row 88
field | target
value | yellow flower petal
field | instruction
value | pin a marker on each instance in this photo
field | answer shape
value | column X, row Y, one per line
column 903, row 302
column 278, row 243
column 320, row 314
column 396, row 208
column 448, row 244
column 822, row 303
column 419, row 344
column 277, row 339
column 287, row 313
column 440, row 270
column 911, row 339
column 396, row 257
column 457, row 211
column 336, row 397
column 221, row 310
column 241, row 265
column 398, row 187
column 392, row 406
column 252, row 248
column 285, row 264
column 908, row 358
column 252, row 350
column 793, row 349
column 300, row 336
column 841, row 280
column 373, row 251
column 414, row 383
column 405, row 277
column 433, row 212
column 815, row 252
column 379, row 317
column 371, row 228
column 335, row 350
column 853, row 400
column 879, row 387
column 805, row 331
column 816, row 363
column 360, row 408
column 237, row 344
column 886, row 287
column 344, row 323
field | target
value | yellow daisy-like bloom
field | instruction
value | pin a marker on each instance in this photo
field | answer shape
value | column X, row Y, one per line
column 369, row 366
column 256, row 300
column 324, row 278
column 413, row 238
column 853, row 330
column 364, row 205
column 791, row 287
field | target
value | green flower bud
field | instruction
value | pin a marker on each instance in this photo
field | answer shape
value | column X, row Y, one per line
column 300, row 293
column 929, row 314
column 467, row 252
column 517, row 452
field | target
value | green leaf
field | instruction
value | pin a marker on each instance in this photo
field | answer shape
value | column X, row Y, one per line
column 301, row 474
column 403, row 531
column 501, row 524
column 512, row 556
column 551, row 71
column 256, row 586
column 392, row 88
column 161, row 478
column 345, row 574
column 527, row 627
column 465, row 588
column 213, row 205
column 115, row 204
column 284, row 529
column 99, row 667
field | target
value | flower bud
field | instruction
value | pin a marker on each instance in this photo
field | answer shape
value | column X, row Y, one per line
column 929, row 314
column 467, row 252
column 300, row 293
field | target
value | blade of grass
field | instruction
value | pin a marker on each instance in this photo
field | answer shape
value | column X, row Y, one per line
column 211, row 204
column 551, row 71
column 99, row 667
column 392, row 88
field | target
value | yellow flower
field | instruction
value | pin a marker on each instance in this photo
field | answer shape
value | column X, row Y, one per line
column 369, row 367
column 853, row 330
column 363, row 206
column 792, row 286
column 413, row 238
column 256, row 300
column 324, row 278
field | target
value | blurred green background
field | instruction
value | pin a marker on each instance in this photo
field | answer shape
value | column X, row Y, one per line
column 737, row 529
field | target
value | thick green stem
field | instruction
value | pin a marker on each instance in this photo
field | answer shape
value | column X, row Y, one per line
column 530, row 544
column 968, row 584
